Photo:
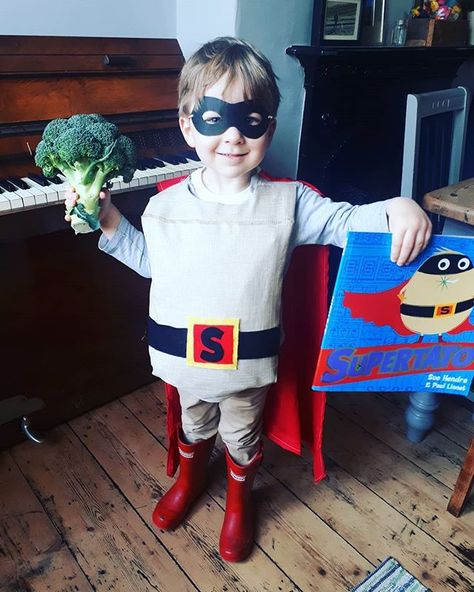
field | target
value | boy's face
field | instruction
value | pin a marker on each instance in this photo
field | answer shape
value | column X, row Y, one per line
column 230, row 157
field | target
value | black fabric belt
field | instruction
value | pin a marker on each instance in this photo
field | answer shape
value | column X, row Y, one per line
column 252, row 344
column 412, row 310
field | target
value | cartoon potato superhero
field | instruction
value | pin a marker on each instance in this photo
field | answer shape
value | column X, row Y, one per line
column 437, row 299
column 439, row 296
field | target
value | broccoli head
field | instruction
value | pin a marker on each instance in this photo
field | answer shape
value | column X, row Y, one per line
column 89, row 151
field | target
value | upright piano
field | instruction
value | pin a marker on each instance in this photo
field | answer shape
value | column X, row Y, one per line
column 72, row 320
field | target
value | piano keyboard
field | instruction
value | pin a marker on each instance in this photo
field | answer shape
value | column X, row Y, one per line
column 34, row 191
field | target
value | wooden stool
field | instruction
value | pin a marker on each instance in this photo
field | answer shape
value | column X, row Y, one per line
column 454, row 202
column 464, row 483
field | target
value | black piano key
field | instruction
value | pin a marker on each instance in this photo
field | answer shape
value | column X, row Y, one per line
column 191, row 155
column 158, row 162
column 150, row 163
column 43, row 181
column 141, row 166
column 7, row 185
column 170, row 159
column 18, row 183
column 55, row 180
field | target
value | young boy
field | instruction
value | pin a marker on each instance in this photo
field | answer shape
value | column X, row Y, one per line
column 216, row 247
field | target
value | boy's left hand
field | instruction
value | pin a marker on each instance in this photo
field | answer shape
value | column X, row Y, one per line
column 410, row 228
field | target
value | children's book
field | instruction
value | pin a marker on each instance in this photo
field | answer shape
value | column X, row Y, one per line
column 400, row 328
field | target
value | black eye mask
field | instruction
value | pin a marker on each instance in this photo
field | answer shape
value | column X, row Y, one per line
column 446, row 263
column 251, row 119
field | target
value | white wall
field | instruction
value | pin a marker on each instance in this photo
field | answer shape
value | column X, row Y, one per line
column 203, row 20
column 394, row 11
column 89, row 18
column 285, row 23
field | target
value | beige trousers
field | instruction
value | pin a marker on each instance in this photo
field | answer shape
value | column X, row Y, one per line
column 237, row 418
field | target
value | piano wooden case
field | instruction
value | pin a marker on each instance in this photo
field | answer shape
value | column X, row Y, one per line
column 73, row 320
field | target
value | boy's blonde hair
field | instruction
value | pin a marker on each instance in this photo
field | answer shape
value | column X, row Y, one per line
column 232, row 57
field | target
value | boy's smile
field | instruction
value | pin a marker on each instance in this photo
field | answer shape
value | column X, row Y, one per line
column 230, row 157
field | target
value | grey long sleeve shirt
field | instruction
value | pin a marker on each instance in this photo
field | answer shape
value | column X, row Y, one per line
column 318, row 220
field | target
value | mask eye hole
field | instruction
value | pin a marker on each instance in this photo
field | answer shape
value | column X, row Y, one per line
column 443, row 264
column 463, row 263
column 254, row 119
column 211, row 117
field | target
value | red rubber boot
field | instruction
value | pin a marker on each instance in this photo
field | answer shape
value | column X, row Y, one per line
column 172, row 508
column 236, row 540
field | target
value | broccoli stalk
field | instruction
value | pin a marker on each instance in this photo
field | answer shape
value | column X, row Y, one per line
column 88, row 150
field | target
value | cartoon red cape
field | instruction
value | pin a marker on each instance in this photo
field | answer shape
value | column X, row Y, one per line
column 383, row 309
column 293, row 412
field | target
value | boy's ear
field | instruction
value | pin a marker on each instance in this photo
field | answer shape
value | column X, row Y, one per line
column 271, row 129
column 186, row 130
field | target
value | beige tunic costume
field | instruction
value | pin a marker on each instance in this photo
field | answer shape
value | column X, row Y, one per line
column 217, row 273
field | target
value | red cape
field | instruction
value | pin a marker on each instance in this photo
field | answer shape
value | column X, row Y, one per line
column 293, row 412
column 381, row 308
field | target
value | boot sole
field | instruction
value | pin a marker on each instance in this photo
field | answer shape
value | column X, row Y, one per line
column 166, row 525
column 235, row 557
column 170, row 524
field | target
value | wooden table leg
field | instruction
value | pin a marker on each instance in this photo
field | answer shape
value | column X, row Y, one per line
column 464, row 483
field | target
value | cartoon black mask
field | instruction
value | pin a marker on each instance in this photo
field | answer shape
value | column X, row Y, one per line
column 446, row 263
column 213, row 117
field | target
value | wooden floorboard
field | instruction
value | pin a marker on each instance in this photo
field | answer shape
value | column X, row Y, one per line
column 34, row 556
column 113, row 546
column 75, row 511
column 288, row 532
column 454, row 417
column 437, row 454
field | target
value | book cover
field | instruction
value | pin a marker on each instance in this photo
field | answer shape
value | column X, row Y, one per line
column 400, row 328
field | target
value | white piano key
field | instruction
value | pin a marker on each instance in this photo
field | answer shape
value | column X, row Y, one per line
column 169, row 172
column 4, row 204
column 62, row 188
column 16, row 203
column 43, row 199
column 134, row 183
column 180, row 169
column 152, row 177
column 38, row 195
column 46, row 193
column 29, row 200
column 183, row 170
column 141, row 176
column 27, row 197
column 189, row 166
column 124, row 185
column 36, row 190
column 116, row 184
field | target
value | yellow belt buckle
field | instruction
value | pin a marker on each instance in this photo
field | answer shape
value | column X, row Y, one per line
column 212, row 343
column 444, row 310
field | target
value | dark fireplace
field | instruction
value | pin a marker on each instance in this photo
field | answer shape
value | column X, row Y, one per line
column 352, row 136
column 354, row 118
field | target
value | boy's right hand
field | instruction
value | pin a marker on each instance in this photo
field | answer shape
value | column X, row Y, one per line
column 109, row 216
column 72, row 197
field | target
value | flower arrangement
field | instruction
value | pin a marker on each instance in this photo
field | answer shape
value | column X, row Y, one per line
column 440, row 9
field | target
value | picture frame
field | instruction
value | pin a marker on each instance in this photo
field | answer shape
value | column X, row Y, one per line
column 341, row 20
